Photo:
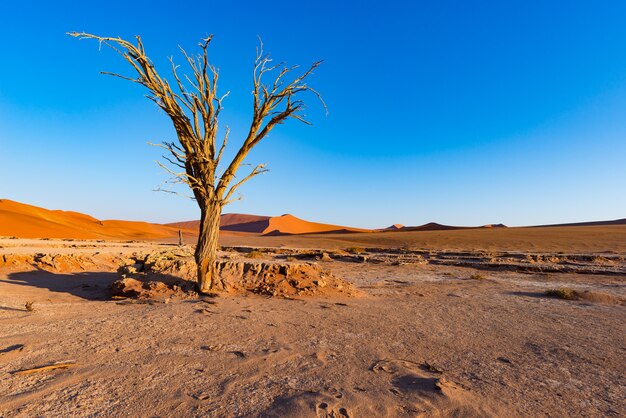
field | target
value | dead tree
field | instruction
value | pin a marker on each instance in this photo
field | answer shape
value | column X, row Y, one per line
column 194, row 109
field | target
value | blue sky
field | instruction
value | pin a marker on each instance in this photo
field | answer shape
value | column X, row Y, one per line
column 458, row 112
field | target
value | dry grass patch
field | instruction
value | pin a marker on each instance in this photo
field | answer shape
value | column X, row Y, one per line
column 255, row 254
column 477, row 276
column 563, row 293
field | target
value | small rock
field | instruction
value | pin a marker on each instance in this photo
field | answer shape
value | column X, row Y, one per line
column 157, row 286
column 319, row 283
column 432, row 368
column 216, row 347
column 127, row 287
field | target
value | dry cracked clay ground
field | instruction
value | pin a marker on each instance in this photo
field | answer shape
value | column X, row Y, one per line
column 421, row 339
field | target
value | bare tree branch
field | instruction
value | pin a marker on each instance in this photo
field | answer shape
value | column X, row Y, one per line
column 194, row 109
column 259, row 169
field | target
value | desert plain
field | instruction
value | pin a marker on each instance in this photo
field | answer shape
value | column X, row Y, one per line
column 502, row 322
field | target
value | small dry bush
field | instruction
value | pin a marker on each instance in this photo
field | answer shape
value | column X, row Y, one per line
column 477, row 276
column 291, row 259
column 325, row 257
column 29, row 305
column 254, row 254
column 355, row 250
column 563, row 293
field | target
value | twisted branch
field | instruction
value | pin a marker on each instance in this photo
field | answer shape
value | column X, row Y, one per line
column 195, row 108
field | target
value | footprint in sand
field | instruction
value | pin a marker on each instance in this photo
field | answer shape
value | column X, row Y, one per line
column 335, row 393
column 422, row 387
column 323, row 410
column 408, row 376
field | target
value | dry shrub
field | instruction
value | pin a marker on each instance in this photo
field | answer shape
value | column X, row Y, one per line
column 477, row 276
column 355, row 250
column 255, row 254
column 29, row 305
column 563, row 293
column 325, row 257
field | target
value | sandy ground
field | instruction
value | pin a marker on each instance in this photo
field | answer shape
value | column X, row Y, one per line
column 577, row 239
column 422, row 340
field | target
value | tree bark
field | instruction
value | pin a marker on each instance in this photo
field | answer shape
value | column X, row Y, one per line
column 206, row 250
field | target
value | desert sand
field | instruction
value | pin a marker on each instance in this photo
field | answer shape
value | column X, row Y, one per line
column 27, row 221
column 270, row 225
column 419, row 339
column 434, row 323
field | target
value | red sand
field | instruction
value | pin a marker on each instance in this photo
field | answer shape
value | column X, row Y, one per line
column 266, row 225
column 26, row 221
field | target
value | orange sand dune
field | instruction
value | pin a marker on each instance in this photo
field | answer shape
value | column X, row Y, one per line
column 26, row 221
column 266, row 225
column 229, row 221
column 289, row 224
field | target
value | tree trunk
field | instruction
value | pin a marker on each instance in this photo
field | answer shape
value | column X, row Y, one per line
column 206, row 250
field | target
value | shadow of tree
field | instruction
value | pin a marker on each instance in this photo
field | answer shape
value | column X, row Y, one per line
column 86, row 285
column 8, row 308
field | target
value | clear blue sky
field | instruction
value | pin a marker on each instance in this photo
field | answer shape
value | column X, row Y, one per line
column 458, row 112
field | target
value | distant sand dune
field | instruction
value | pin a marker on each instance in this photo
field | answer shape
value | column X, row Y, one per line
column 595, row 223
column 433, row 226
column 272, row 226
column 26, row 221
